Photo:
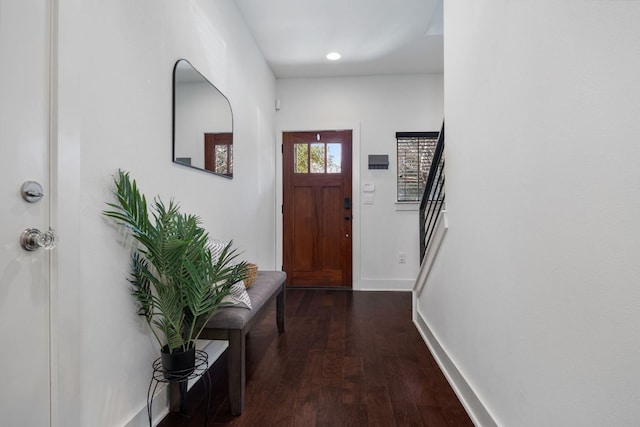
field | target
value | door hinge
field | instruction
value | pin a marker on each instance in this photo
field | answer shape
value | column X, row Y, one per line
column 282, row 209
column 282, row 148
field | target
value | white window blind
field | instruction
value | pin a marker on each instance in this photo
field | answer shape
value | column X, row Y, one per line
column 415, row 153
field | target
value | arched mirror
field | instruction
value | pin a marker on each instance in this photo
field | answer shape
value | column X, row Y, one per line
column 202, row 123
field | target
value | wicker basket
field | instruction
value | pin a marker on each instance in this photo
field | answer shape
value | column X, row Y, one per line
column 250, row 273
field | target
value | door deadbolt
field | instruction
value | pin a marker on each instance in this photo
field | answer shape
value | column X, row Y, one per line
column 32, row 191
column 32, row 239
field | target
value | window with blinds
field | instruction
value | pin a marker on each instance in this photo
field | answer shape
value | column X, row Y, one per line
column 415, row 153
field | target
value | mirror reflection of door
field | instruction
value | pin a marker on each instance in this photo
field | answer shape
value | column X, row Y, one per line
column 218, row 153
column 317, row 214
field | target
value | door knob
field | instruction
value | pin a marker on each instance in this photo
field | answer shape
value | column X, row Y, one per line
column 32, row 239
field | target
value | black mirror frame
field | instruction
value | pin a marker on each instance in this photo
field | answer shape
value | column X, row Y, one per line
column 174, row 159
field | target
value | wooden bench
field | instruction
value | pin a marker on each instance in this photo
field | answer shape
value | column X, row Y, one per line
column 233, row 324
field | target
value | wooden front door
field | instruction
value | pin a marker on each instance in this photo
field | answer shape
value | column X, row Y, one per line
column 317, row 215
column 218, row 153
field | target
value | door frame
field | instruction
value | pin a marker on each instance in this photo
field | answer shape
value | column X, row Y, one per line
column 56, row 375
column 354, row 127
column 66, row 195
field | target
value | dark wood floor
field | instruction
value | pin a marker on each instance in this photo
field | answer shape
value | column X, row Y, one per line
column 346, row 359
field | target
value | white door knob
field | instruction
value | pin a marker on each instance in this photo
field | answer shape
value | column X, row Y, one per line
column 32, row 239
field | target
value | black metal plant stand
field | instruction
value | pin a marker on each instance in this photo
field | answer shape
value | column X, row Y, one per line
column 180, row 378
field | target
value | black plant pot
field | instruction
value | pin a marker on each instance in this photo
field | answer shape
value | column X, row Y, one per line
column 179, row 364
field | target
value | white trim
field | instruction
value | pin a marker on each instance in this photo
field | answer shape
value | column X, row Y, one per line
column 53, row 213
column 65, row 218
column 407, row 206
column 432, row 251
column 478, row 412
column 396, row 285
column 160, row 409
column 355, row 181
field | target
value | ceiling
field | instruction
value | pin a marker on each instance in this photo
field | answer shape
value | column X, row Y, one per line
column 373, row 36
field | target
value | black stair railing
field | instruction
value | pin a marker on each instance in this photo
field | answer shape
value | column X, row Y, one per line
column 433, row 196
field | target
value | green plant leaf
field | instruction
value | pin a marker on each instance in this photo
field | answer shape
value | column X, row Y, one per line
column 175, row 284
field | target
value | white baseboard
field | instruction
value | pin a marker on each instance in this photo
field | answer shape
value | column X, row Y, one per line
column 469, row 399
column 384, row 285
column 160, row 409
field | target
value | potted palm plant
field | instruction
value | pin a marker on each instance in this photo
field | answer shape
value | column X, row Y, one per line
column 174, row 280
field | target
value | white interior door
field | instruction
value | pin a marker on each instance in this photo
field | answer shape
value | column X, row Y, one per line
column 24, row 156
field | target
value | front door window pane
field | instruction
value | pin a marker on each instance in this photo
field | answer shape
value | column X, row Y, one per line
column 334, row 158
column 222, row 165
column 317, row 158
column 302, row 158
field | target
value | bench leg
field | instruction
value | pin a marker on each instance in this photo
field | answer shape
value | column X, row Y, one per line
column 236, row 367
column 280, row 310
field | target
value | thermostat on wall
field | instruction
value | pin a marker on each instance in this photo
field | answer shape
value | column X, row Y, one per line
column 368, row 188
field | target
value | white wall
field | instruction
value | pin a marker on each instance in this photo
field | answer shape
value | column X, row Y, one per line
column 534, row 295
column 114, row 111
column 376, row 108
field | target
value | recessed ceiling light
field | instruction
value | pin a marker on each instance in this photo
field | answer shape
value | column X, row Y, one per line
column 333, row 56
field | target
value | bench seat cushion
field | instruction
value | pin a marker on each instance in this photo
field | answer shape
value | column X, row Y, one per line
column 267, row 284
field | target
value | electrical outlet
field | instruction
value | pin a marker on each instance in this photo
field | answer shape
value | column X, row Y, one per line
column 402, row 258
